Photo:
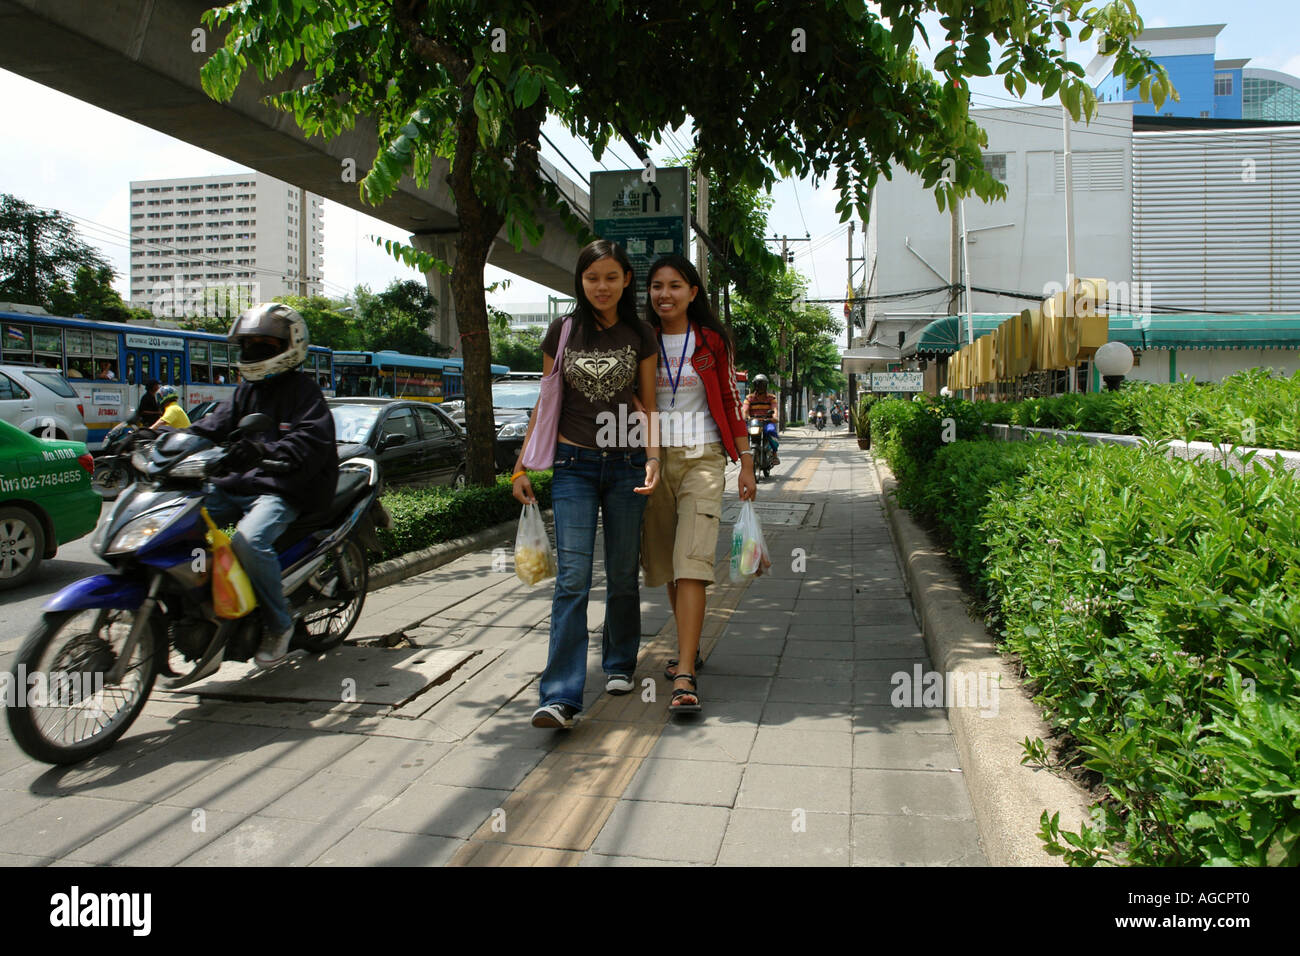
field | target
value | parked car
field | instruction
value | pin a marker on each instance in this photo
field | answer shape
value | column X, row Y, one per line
column 40, row 401
column 416, row 442
column 513, row 401
column 45, row 500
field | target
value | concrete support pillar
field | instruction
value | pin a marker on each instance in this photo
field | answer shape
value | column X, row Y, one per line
column 445, row 328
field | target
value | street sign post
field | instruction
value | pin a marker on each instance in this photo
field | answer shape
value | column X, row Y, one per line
column 648, row 219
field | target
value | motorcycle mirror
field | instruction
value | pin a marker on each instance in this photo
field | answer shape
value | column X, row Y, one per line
column 256, row 422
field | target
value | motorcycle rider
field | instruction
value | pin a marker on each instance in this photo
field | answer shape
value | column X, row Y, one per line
column 272, row 340
column 761, row 404
column 172, row 414
column 148, row 410
column 820, row 410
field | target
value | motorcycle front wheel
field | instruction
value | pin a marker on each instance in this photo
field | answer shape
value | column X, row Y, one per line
column 110, row 480
column 61, row 709
column 344, row 577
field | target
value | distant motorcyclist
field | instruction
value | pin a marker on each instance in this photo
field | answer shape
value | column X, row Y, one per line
column 272, row 340
column 761, row 404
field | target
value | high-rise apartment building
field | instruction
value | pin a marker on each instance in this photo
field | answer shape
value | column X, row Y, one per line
column 213, row 245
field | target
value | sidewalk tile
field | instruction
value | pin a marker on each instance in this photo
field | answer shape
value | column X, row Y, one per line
column 157, row 836
column 683, row 740
column 491, row 768
column 802, row 748
column 588, row 775
column 244, row 786
column 367, row 847
column 438, row 810
column 800, row 690
column 705, row 782
column 918, row 720
column 763, row 837
column 730, row 664
column 477, row 853
column 560, row 821
column 833, row 718
column 62, row 825
column 804, row 668
column 663, row 831
column 804, row 630
column 915, row 841
column 819, row 789
column 904, row 751
column 819, row 650
column 304, row 750
column 600, row 859
column 268, row 841
column 885, row 669
column 390, row 758
column 617, row 738
column 925, row 793
column 339, row 799
column 729, row 687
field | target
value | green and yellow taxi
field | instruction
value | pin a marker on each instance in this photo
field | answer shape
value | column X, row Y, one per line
column 45, row 500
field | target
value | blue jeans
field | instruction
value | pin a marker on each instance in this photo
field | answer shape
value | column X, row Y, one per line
column 587, row 480
column 264, row 518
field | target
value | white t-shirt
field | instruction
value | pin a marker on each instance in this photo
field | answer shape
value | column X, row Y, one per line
column 684, row 419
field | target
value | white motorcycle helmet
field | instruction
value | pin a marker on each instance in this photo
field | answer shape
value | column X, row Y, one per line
column 258, row 360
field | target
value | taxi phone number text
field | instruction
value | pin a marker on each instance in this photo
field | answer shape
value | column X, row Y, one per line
column 29, row 482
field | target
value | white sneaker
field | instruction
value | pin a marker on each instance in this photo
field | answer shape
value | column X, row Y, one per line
column 274, row 649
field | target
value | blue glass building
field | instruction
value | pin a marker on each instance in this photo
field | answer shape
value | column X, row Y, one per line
column 1207, row 88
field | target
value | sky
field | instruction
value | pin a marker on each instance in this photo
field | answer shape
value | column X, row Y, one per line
column 63, row 154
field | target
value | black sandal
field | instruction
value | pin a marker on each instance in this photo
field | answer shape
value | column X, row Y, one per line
column 680, row 692
column 672, row 662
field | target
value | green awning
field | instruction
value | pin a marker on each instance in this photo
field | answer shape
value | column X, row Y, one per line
column 947, row 335
column 1191, row 332
column 944, row 336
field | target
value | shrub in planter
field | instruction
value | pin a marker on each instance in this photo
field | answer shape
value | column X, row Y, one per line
column 427, row 516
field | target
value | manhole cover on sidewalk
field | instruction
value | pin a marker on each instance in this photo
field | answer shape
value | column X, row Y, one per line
column 363, row 675
column 790, row 514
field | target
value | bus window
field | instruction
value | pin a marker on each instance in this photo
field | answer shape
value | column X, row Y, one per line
column 130, row 369
column 144, row 368
column 16, row 345
column 162, row 369
column 49, row 347
column 76, row 344
column 199, row 363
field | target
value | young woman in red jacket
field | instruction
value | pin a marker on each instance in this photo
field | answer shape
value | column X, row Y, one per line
column 699, row 428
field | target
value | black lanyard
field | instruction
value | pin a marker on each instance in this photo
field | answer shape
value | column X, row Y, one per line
column 681, row 364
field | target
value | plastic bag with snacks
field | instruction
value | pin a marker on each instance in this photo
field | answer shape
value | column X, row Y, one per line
column 749, row 555
column 534, row 560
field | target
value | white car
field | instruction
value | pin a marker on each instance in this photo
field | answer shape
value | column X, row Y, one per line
column 40, row 401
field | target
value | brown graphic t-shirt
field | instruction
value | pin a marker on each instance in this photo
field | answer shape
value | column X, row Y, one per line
column 600, row 376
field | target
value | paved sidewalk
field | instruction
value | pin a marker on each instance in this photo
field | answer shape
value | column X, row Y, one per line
column 799, row 757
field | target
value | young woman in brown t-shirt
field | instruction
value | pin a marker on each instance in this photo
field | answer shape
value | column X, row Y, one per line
column 601, row 467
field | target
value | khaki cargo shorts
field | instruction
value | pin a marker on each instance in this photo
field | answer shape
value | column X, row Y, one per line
column 679, row 535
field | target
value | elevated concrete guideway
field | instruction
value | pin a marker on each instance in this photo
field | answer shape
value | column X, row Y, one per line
column 135, row 58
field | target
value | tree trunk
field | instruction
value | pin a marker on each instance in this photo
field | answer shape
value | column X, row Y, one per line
column 478, row 227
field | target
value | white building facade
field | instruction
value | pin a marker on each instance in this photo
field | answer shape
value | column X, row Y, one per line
column 213, row 245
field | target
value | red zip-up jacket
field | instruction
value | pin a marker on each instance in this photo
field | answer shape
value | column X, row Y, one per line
column 719, row 377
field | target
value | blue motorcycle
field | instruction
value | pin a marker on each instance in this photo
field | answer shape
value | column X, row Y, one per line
column 84, row 674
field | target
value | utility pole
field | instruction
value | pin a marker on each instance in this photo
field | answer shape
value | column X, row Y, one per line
column 781, row 359
column 702, row 217
column 1069, row 218
column 954, row 260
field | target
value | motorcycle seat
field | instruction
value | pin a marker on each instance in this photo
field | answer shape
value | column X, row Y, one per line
column 351, row 484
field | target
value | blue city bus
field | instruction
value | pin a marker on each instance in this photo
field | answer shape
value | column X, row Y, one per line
column 107, row 363
column 391, row 374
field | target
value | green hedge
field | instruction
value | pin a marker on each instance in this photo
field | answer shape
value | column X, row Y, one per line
column 428, row 516
column 1152, row 603
column 1252, row 407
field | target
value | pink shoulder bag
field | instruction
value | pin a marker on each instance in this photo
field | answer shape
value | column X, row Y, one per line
column 539, row 454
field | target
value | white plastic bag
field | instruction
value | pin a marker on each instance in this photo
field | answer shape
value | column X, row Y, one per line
column 534, row 560
column 749, row 556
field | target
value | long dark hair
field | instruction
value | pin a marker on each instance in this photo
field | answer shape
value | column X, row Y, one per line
column 699, row 310
column 584, row 313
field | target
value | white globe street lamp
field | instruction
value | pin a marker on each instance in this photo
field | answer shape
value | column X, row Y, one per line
column 1114, row 361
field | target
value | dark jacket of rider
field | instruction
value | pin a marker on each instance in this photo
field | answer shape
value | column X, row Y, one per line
column 303, row 435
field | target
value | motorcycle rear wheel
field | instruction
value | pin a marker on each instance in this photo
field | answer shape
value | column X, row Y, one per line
column 345, row 570
column 80, row 714
column 111, row 480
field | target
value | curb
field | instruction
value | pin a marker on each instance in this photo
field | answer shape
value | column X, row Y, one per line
column 417, row 562
column 1008, row 797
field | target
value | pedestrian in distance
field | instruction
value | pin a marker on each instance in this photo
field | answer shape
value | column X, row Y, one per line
column 603, row 465
column 700, row 427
